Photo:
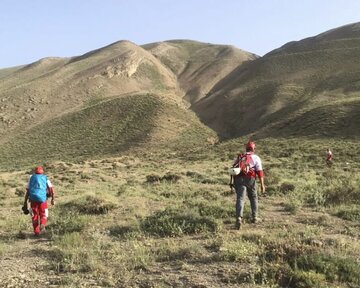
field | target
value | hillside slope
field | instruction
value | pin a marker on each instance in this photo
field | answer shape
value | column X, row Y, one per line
column 285, row 91
column 101, row 103
column 198, row 66
column 42, row 90
column 108, row 128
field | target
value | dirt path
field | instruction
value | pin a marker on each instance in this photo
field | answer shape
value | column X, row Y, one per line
column 25, row 263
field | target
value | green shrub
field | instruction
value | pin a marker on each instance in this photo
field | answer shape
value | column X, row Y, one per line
column 92, row 205
column 286, row 187
column 306, row 279
column 176, row 222
column 293, row 205
column 64, row 222
column 305, row 263
column 273, row 176
column 168, row 177
column 316, row 198
column 72, row 254
column 124, row 232
column 238, row 251
column 344, row 191
column 184, row 253
column 351, row 213
column 221, row 210
column 199, row 178
column 153, row 178
column 333, row 267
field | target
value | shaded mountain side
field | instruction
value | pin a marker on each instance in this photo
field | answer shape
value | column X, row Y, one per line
column 339, row 119
column 40, row 91
column 198, row 66
column 343, row 37
column 298, row 77
column 108, row 128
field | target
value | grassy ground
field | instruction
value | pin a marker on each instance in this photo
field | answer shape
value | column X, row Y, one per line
column 159, row 219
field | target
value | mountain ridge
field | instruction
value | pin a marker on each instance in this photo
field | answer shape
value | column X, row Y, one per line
column 234, row 92
column 291, row 77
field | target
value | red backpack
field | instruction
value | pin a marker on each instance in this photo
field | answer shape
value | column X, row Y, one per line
column 243, row 162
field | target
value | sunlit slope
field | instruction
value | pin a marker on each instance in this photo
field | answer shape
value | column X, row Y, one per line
column 198, row 66
column 314, row 83
column 108, row 128
column 43, row 90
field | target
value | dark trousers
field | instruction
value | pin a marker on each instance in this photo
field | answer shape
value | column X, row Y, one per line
column 245, row 186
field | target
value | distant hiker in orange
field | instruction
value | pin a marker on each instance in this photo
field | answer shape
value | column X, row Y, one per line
column 38, row 190
column 244, row 171
column 329, row 157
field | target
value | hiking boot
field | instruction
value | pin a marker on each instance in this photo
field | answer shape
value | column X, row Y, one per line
column 238, row 224
column 255, row 220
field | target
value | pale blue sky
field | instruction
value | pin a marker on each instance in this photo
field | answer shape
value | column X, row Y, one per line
column 33, row 29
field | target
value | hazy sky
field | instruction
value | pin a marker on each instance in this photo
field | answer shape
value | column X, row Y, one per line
column 33, row 29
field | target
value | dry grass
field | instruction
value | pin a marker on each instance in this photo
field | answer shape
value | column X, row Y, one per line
column 170, row 233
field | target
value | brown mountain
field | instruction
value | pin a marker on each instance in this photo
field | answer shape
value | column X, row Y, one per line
column 123, row 96
column 108, row 100
column 198, row 66
column 308, row 87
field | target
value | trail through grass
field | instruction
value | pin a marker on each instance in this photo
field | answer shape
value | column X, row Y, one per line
column 167, row 220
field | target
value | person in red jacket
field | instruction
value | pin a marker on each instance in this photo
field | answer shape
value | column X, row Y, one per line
column 248, row 166
column 39, row 188
column 329, row 157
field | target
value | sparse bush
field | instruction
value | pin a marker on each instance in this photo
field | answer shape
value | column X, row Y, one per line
column 173, row 252
column 306, row 279
column 169, row 177
column 20, row 192
column 286, row 187
column 216, row 211
column 334, row 268
column 300, row 265
column 272, row 178
column 286, row 153
column 122, row 190
column 72, row 254
column 135, row 255
column 85, row 176
column 90, row 205
column 344, row 191
column 124, row 232
column 316, row 198
column 293, row 204
column 197, row 177
column 349, row 213
column 171, row 222
column 238, row 251
column 272, row 190
column 152, row 178
column 65, row 222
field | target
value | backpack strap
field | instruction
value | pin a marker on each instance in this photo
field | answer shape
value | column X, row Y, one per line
column 239, row 159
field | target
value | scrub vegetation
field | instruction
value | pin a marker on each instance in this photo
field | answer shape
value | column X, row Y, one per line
column 117, row 224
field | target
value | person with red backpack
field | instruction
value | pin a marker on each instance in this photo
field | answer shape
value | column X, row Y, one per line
column 39, row 188
column 329, row 157
column 244, row 170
